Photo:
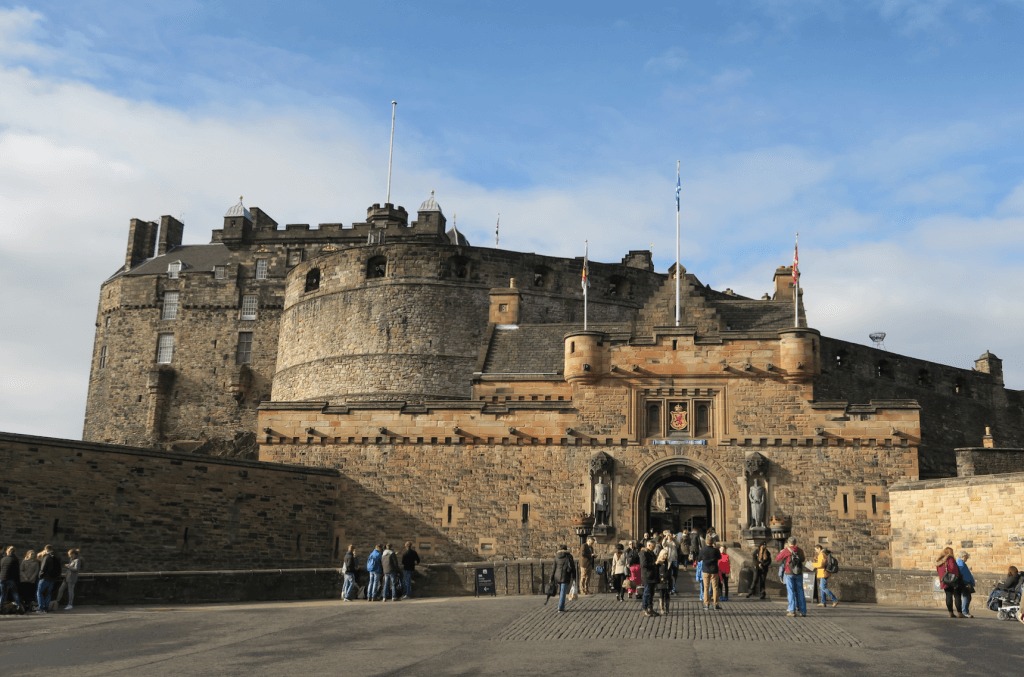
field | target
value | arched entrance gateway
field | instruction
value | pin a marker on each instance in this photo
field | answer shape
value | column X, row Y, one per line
column 677, row 493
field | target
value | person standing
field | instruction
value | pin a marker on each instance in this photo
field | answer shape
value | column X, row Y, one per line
column 724, row 568
column 74, row 567
column 29, row 572
column 620, row 569
column 695, row 544
column 391, row 567
column 762, row 563
column 710, row 584
column 633, row 561
column 822, row 574
column 49, row 574
column 376, row 571
column 349, row 566
column 946, row 564
column 410, row 558
column 649, row 578
column 563, row 574
column 673, row 561
column 664, row 580
column 10, row 576
column 586, row 565
column 684, row 547
column 794, row 560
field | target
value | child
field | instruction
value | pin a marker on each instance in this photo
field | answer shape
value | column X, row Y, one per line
column 723, row 573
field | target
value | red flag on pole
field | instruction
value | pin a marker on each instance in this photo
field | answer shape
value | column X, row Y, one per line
column 796, row 261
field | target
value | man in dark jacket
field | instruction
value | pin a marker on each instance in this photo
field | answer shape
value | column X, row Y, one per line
column 695, row 544
column 586, row 566
column 391, row 567
column 10, row 576
column 709, row 556
column 410, row 558
column 29, row 572
column 762, row 562
column 649, row 577
column 350, row 565
column 563, row 574
column 49, row 574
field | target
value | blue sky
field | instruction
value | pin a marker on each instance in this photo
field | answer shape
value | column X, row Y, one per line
column 887, row 132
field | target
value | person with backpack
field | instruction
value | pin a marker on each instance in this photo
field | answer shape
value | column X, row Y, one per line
column 349, row 566
column 49, row 574
column 950, row 581
column 376, row 571
column 391, row 568
column 822, row 569
column 793, row 561
column 563, row 574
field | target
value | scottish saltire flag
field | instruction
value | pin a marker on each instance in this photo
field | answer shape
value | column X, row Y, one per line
column 678, row 188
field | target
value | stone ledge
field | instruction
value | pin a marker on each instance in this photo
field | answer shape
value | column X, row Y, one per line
column 972, row 481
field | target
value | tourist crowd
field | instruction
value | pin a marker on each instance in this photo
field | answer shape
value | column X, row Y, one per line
column 27, row 584
column 390, row 575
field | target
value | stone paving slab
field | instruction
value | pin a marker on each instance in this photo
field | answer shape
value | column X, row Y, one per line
column 602, row 617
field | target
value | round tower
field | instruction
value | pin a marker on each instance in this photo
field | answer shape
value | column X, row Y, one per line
column 586, row 356
column 800, row 354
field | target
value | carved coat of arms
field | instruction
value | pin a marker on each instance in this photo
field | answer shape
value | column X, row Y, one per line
column 677, row 419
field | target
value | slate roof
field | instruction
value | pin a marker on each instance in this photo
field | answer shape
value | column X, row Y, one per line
column 534, row 348
column 194, row 257
column 683, row 494
column 745, row 315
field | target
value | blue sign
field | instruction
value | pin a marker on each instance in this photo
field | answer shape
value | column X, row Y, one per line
column 679, row 441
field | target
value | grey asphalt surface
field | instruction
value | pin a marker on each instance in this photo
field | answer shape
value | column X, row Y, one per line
column 507, row 635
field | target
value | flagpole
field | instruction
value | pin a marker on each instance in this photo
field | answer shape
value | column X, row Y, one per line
column 677, row 242
column 796, row 280
column 496, row 226
column 586, row 281
column 391, row 152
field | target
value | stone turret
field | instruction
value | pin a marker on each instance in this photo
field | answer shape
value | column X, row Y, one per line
column 800, row 354
column 991, row 365
column 586, row 356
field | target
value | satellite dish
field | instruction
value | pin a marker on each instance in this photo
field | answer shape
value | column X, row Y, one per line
column 878, row 337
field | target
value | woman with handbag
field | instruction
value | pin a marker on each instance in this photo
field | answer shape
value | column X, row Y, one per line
column 968, row 588
column 619, row 570
column 950, row 581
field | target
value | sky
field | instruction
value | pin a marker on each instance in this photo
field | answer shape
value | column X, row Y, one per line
column 888, row 133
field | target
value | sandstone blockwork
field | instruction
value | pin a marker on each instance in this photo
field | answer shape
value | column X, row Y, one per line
column 462, row 403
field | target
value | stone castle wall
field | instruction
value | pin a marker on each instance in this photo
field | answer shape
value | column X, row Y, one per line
column 978, row 514
column 988, row 461
column 132, row 509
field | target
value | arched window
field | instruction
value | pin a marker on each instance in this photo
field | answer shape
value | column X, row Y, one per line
column 959, row 387
column 541, row 276
column 703, row 425
column 618, row 286
column 313, row 279
column 653, row 420
column 842, row 359
column 376, row 267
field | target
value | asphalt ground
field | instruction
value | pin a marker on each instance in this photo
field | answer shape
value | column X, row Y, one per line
column 509, row 636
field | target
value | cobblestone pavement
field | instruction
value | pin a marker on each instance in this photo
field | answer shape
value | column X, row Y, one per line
column 602, row 617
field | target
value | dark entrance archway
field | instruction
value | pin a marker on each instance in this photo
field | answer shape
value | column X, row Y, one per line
column 675, row 505
column 693, row 483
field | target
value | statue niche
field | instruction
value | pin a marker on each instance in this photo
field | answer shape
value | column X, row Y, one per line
column 601, row 468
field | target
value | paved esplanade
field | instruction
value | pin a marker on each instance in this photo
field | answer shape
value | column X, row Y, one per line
column 507, row 635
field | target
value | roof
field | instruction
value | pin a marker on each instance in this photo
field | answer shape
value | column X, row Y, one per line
column 534, row 348
column 746, row 315
column 194, row 257
column 430, row 204
column 239, row 210
column 680, row 493
column 455, row 237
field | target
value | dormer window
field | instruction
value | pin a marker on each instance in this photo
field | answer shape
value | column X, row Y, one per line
column 220, row 272
column 294, row 257
column 173, row 269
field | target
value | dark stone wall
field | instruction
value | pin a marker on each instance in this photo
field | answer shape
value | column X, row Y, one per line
column 985, row 461
column 956, row 404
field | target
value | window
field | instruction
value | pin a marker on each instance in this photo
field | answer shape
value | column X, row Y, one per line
column 923, row 378
column 376, row 267
column 165, row 348
column 883, row 369
column 249, row 304
column 173, row 269
column 313, row 280
column 653, row 420
column 170, row 305
column 261, row 269
column 106, row 322
column 294, row 257
column 526, row 512
column 220, row 272
column 103, row 357
column 244, row 353
column 703, row 426
column 459, row 267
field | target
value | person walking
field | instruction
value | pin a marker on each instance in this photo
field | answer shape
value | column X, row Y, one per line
column 10, row 576
column 410, row 558
column 711, row 538
column 762, row 563
column 710, row 583
column 649, row 578
column 684, row 547
column 822, row 575
column 723, row 572
column 391, row 567
column 951, row 581
column 376, row 571
column 794, row 560
column 695, row 544
column 29, row 574
column 620, row 569
column 49, row 574
column 349, row 566
column 967, row 591
column 74, row 567
column 673, row 560
column 563, row 574
column 586, row 565
column 633, row 560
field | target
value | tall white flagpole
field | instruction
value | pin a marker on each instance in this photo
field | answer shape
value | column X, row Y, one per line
column 678, row 188
column 391, row 152
column 796, row 281
column 496, row 226
column 586, row 280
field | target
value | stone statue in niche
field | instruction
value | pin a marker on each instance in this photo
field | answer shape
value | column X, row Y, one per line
column 757, row 500
column 602, row 502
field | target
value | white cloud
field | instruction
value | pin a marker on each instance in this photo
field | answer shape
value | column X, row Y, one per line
column 672, row 59
column 17, row 27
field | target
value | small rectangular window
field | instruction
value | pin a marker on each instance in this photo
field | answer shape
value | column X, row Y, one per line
column 846, row 504
column 250, row 302
column 526, row 512
column 261, row 269
column 103, row 357
column 173, row 269
column 874, row 504
column 294, row 257
column 171, row 305
column 449, row 514
column 244, row 353
column 165, row 348
column 219, row 272
column 106, row 322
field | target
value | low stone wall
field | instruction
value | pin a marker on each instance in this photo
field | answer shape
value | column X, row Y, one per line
column 973, row 461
